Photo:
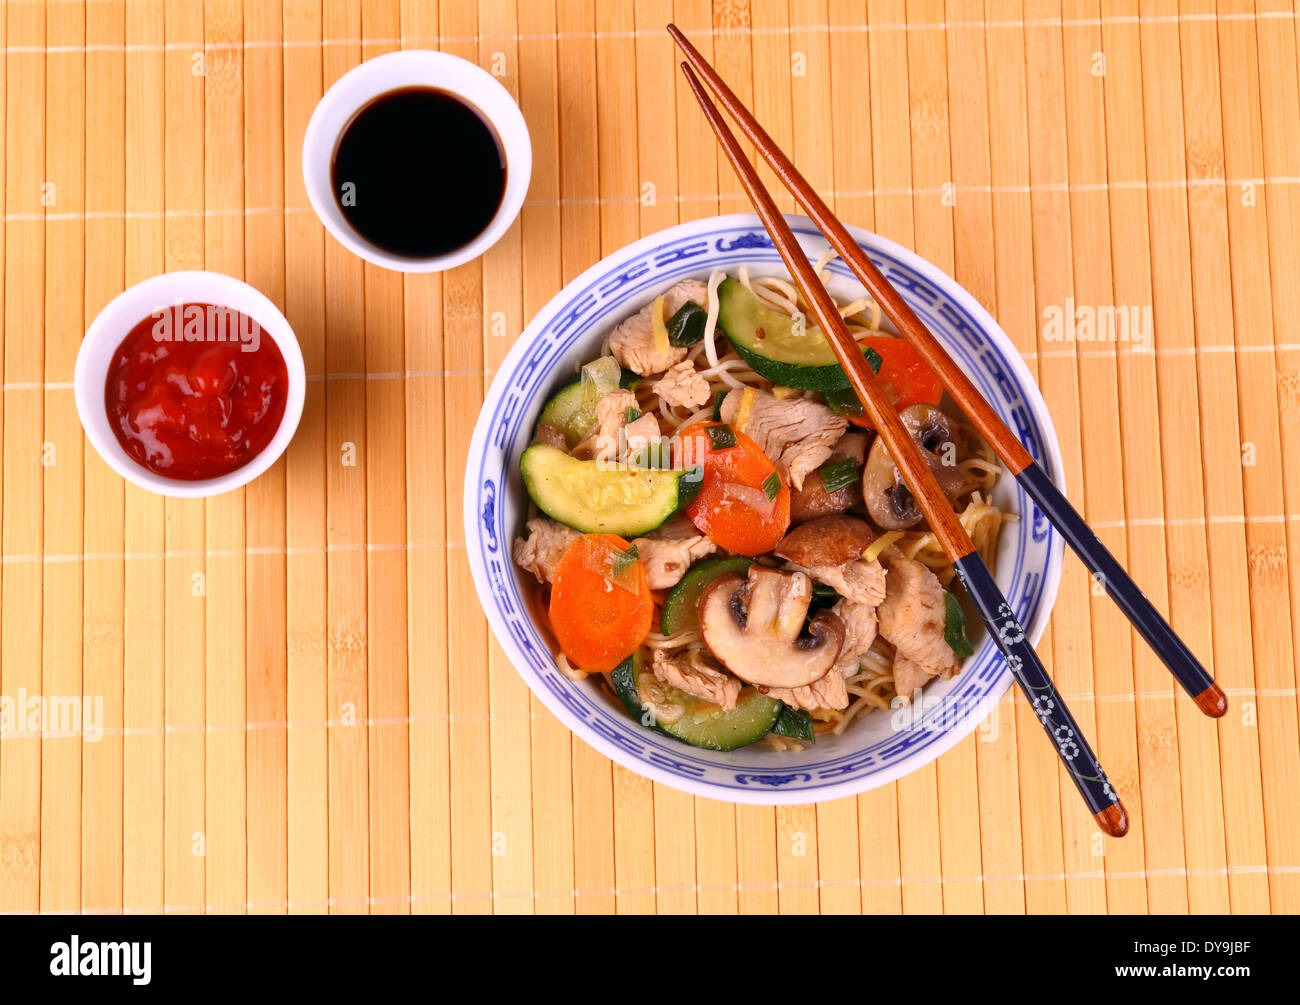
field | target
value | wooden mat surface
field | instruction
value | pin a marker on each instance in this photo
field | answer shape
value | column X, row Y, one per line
column 302, row 707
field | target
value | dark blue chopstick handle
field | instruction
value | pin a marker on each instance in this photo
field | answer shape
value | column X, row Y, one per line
column 1127, row 596
column 1030, row 674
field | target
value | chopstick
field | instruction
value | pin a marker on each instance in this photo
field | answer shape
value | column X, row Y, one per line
column 1009, row 636
column 1126, row 594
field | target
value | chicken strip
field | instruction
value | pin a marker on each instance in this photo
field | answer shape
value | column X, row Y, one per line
column 682, row 387
column 860, row 626
column 666, row 561
column 540, row 552
column 828, row 691
column 633, row 343
column 912, row 618
column 797, row 434
column 697, row 679
column 613, row 430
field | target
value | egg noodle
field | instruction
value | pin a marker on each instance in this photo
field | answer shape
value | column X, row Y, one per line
column 714, row 360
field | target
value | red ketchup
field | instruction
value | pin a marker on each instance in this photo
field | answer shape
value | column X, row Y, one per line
column 196, row 391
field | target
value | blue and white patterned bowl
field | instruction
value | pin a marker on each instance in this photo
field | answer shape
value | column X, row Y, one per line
column 875, row 749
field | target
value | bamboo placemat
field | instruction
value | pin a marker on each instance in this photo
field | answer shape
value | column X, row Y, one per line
column 302, row 708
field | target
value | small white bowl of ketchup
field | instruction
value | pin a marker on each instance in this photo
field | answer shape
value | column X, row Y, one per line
column 190, row 383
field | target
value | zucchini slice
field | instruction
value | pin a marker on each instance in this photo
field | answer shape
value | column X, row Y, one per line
column 681, row 606
column 767, row 341
column 572, row 409
column 598, row 498
column 701, row 723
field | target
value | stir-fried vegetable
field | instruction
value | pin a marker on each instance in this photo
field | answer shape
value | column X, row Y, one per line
column 595, row 497
column 733, row 508
column 902, row 373
column 787, row 352
column 954, row 627
column 659, row 327
column 763, row 627
column 692, row 720
column 795, row 723
column 686, row 327
column 572, row 409
column 601, row 607
column 839, row 474
column 681, row 607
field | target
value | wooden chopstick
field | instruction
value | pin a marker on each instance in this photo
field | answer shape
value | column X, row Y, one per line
column 1153, row 627
column 996, row 613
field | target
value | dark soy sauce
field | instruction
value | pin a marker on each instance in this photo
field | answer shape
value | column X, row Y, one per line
column 418, row 172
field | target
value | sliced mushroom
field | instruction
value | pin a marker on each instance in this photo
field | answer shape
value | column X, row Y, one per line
column 830, row 540
column 755, row 628
column 890, row 502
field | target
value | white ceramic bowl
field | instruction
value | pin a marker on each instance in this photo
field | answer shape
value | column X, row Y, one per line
column 415, row 68
column 122, row 314
column 875, row 749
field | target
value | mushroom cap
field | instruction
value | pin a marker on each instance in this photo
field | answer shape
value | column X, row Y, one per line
column 928, row 424
column 829, row 540
column 755, row 628
column 890, row 503
column 811, row 500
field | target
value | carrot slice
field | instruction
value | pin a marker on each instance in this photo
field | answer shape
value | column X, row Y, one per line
column 903, row 374
column 601, row 607
column 744, row 501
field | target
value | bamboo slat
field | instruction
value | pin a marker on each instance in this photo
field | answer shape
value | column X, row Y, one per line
column 1071, row 645
column 1207, row 888
column 973, row 261
column 301, row 706
column 143, row 749
column 579, row 51
column 226, row 528
column 1266, row 541
column 62, row 611
column 347, row 709
column 186, row 568
column 306, row 494
column 266, row 567
column 1102, row 462
column 22, row 496
column 462, row 296
column 1039, row 847
column 1185, row 512
column 552, row 779
column 386, row 576
column 1222, row 559
column 503, row 320
column 104, row 607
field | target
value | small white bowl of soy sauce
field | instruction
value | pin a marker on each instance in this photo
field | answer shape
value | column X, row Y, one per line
column 417, row 161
